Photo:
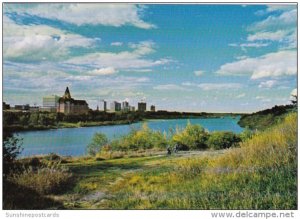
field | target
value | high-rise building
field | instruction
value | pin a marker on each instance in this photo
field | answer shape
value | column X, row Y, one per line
column 142, row 106
column 104, row 106
column 125, row 106
column 115, row 106
column 50, row 103
column 152, row 108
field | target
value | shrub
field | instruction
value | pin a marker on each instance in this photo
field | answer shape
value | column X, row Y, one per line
column 99, row 140
column 12, row 147
column 145, row 138
column 192, row 137
column 221, row 140
column 44, row 180
column 246, row 134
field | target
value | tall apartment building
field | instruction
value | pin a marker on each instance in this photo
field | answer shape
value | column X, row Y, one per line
column 142, row 106
column 115, row 106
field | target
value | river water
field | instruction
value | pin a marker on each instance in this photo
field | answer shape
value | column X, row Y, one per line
column 73, row 141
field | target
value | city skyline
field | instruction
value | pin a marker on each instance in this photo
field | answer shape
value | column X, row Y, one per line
column 196, row 58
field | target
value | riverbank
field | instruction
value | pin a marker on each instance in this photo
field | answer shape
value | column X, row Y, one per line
column 17, row 121
column 62, row 125
column 260, row 173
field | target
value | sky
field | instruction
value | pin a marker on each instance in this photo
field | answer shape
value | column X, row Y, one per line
column 197, row 58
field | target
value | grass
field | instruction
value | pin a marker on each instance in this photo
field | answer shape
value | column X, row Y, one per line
column 259, row 174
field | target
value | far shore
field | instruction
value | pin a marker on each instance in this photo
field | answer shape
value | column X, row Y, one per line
column 63, row 125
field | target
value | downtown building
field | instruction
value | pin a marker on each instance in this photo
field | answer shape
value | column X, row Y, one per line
column 68, row 105
column 115, row 106
column 50, row 103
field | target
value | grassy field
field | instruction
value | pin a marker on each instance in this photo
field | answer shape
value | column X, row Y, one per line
column 100, row 181
column 261, row 173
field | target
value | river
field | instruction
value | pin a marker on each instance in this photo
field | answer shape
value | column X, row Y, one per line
column 73, row 141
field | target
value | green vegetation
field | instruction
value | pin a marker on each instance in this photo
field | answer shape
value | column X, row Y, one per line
column 222, row 140
column 266, row 118
column 145, row 138
column 99, row 140
column 22, row 121
column 191, row 138
column 260, row 172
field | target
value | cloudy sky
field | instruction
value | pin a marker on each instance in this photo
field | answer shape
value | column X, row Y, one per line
column 214, row 58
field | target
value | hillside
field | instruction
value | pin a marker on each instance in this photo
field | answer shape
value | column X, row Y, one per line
column 263, row 119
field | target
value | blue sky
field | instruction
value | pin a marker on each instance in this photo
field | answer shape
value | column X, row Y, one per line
column 213, row 58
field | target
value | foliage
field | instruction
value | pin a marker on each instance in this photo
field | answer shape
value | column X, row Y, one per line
column 44, row 179
column 246, row 134
column 261, row 174
column 99, row 140
column 192, row 137
column 12, row 147
column 222, row 140
column 265, row 118
column 144, row 138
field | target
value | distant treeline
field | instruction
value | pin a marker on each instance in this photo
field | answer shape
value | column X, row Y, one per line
column 19, row 121
column 266, row 118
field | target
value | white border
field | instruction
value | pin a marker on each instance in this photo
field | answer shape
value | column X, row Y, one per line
column 138, row 214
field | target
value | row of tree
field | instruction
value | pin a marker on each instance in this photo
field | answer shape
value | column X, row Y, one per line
column 192, row 137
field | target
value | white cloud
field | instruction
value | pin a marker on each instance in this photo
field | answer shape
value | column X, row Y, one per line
column 241, row 57
column 269, row 65
column 284, row 20
column 263, row 99
column 241, row 95
column 265, row 35
column 278, row 7
column 123, row 60
column 198, row 73
column 248, row 45
column 168, row 87
column 103, row 71
column 294, row 92
column 279, row 27
column 143, row 48
column 189, row 84
column 267, row 84
column 219, row 86
column 139, row 70
column 38, row 42
column 116, row 44
column 81, row 14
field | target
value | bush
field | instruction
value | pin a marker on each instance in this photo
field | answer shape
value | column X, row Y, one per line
column 44, row 180
column 99, row 140
column 192, row 137
column 221, row 140
column 246, row 134
column 12, row 147
column 145, row 138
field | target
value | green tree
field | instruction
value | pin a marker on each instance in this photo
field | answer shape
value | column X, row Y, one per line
column 221, row 140
column 192, row 137
column 99, row 140
column 34, row 119
column 12, row 147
